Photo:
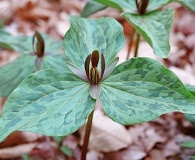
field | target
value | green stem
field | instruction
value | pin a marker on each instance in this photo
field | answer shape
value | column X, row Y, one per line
column 130, row 43
column 86, row 138
column 137, row 45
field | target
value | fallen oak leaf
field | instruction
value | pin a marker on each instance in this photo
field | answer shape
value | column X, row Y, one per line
column 18, row 138
column 145, row 136
column 17, row 151
column 107, row 135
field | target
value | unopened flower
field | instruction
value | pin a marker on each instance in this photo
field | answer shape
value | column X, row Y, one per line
column 94, row 72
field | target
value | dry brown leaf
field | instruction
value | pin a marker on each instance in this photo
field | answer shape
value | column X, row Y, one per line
column 184, row 75
column 171, row 148
column 145, row 136
column 107, row 135
column 7, row 56
column 70, row 141
column 184, row 22
column 46, row 149
column 157, row 155
column 93, row 155
column 133, row 153
column 145, row 50
column 19, row 137
column 76, row 5
column 17, row 151
column 63, row 24
column 4, row 9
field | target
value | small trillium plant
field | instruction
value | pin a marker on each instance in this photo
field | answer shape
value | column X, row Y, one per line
column 147, row 18
column 35, row 53
column 57, row 103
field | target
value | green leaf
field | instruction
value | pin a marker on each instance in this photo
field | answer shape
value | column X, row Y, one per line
column 124, row 5
column 23, row 44
column 188, row 144
column 190, row 118
column 47, row 102
column 154, row 4
column 20, row 44
column 142, row 89
column 188, row 3
column 129, row 6
column 67, row 151
column 13, row 73
column 155, row 28
column 56, row 62
column 113, row 3
column 92, row 7
column 26, row 156
column 54, row 57
column 58, row 139
column 52, row 46
column 191, row 89
column 86, row 35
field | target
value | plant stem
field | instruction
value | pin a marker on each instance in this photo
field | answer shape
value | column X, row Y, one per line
column 130, row 43
column 86, row 138
column 137, row 45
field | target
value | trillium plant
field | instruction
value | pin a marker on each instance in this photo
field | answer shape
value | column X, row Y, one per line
column 147, row 18
column 57, row 103
column 35, row 53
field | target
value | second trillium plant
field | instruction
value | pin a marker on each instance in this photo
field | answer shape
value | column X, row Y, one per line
column 57, row 103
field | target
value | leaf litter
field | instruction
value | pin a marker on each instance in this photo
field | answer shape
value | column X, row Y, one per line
column 154, row 140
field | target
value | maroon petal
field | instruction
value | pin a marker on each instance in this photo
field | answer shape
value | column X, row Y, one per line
column 102, row 65
column 40, row 45
column 87, row 63
column 95, row 58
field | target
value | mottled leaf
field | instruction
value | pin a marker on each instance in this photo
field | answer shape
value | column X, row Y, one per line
column 190, row 117
column 113, row 3
column 86, row 35
column 191, row 89
column 54, row 55
column 47, row 102
column 23, row 44
column 124, row 5
column 188, row 144
column 188, row 3
column 154, row 4
column 130, row 5
column 67, row 151
column 155, row 28
column 92, row 7
column 20, row 44
column 142, row 89
column 14, row 72
column 57, row 62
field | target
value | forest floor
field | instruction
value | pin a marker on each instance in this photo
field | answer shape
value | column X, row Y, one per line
column 155, row 140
